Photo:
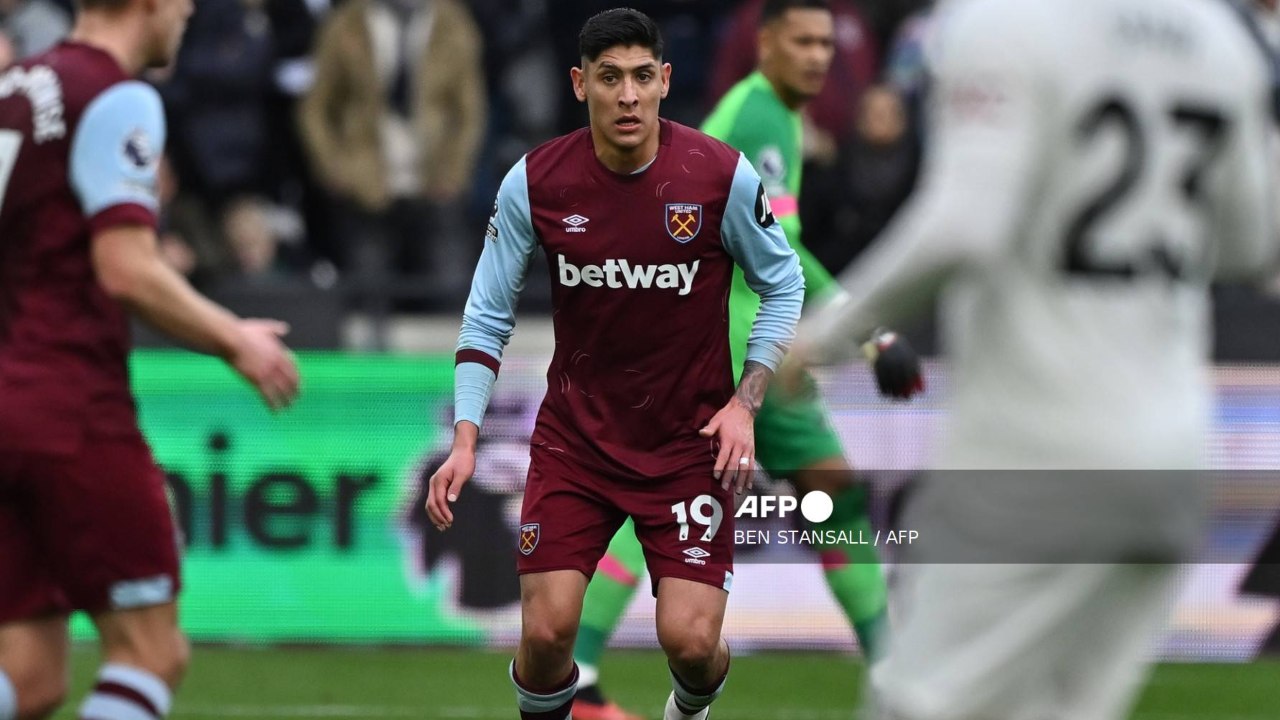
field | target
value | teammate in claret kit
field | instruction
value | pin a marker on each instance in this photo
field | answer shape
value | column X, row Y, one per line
column 84, row 519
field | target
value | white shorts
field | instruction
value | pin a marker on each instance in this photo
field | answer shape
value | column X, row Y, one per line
column 1021, row 642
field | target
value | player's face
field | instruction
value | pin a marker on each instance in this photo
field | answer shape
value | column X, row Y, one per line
column 796, row 51
column 623, row 89
column 168, row 21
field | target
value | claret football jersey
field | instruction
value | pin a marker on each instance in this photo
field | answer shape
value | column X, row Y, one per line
column 79, row 147
column 641, row 267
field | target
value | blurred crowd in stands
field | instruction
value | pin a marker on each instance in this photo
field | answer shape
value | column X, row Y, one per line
column 358, row 144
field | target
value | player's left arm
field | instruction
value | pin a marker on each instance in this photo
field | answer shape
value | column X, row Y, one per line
column 759, row 139
column 752, row 236
column 984, row 143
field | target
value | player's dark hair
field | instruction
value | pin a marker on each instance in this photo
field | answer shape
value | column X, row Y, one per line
column 102, row 4
column 774, row 9
column 620, row 27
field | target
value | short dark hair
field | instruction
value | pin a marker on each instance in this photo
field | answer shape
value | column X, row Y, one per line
column 110, row 5
column 774, row 9
column 621, row 26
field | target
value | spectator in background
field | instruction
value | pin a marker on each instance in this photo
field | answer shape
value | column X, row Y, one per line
column 253, row 235
column 216, row 100
column 289, row 179
column 886, row 17
column 907, row 65
column 33, row 26
column 187, row 240
column 873, row 176
column 243, row 246
column 392, row 127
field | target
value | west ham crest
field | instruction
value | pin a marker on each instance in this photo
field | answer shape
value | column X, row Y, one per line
column 528, row 538
column 683, row 221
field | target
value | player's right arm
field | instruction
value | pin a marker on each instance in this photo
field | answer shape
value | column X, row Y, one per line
column 112, row 169
column 487, row 324
column 984, row 139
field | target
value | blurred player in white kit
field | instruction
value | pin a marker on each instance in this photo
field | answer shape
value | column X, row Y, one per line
column 1094, row 165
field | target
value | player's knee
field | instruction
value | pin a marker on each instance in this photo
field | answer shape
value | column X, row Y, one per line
column 163, row 653
column 167, row 657
column 695, row 644
column 40, row 695
column 549, row 638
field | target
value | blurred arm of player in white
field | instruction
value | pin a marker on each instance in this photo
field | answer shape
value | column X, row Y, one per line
column 487, row 325
column 980, row 164
column 114, row 161
column 986, row 150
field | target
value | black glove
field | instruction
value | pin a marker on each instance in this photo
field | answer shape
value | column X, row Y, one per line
column 896, row 364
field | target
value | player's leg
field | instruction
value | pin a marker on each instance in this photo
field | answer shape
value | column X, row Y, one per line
column 33, row 667
column 990, row 649
column 567, row 520
column 690, row 617
column 685, row 525
column 608, row 595
column 1106, row 645
column 543, row 670
column 795, row 440
column 33, row 611
column 144, row 657
column 121, row 566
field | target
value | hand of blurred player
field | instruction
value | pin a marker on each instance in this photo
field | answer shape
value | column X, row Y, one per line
column 734, row 426
column 896, row 365
column 447, row 483
column 262, row 359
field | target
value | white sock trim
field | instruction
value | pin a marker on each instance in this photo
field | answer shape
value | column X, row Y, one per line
column 691, row 701
column 8, row 698
column 532, row 702
column 110, row 707
column 150, row 686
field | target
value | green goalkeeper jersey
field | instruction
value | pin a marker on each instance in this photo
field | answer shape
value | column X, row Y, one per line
column 752, row 118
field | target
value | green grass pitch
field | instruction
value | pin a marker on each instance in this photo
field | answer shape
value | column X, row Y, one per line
column 446, row 684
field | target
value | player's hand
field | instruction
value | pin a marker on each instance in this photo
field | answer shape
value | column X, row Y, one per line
column 262, row 359
column 447, row 483
column 895, row 363
column 734, row 426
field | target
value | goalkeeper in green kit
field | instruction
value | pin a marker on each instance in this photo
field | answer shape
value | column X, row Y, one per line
column 794, row 436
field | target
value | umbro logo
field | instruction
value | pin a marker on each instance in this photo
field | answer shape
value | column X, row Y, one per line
column 696, row 556
column 575, row 223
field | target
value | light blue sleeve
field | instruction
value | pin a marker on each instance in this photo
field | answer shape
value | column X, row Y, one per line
column 757, row 243
column 490, row 315
column 115, row 154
